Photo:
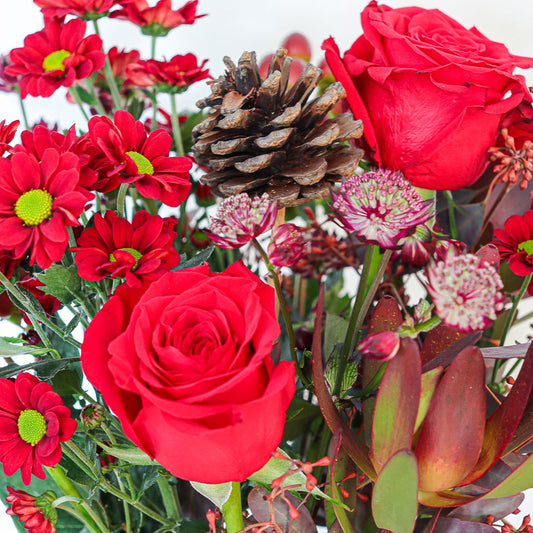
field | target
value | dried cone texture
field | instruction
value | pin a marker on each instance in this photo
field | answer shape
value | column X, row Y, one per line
column 262, row 136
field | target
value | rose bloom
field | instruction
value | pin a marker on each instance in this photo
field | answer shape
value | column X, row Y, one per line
column 89, row 9
column 128, row 154
column 430, row 92
column 55, row 57
column 515, row 243
column 33, row 423
column 170, row 76
column 140, row 250
column 37, row 515
column 185, row 365
column 159, row 19
column 37, row 202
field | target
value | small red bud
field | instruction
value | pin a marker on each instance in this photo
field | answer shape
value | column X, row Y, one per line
column 295, row 514
column 510, row 380
column 325, row 461
column 211, row 519
column 489, row 519
column 276, row 483
column 344, row 492
column 311, row 482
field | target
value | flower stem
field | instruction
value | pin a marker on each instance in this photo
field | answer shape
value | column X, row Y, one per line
column 232, row 509
column 451, row 214
column 97, row 102
column 121, row 199
column 170, row 499
column 176, row 132
column 23, row 110
column 373, row 268
column 152, row 46
column 74, row 92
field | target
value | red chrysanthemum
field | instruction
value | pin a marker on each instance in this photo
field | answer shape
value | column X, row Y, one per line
column 37, row 515
column 37, row 201
column 54, row 57
column 128, row 154
column 157, row 20
column 7, row 134
column 515, row 243
column 49, row 303
column 33, row 423
column 89, row 9
column 35, row 142
column 139, row 251
column 170, row 76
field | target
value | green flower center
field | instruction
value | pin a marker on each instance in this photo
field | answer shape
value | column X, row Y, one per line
column 135, row 253
column 32, row 426
column 143, row 164
column 34, row 206
column 54, row 61
column 526, row 246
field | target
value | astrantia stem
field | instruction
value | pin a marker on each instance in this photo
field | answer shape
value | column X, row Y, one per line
column 232, row 510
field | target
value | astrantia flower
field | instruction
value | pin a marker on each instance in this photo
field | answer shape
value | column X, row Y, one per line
column 33, row 423
column 170, row 76
column 7, row 134
column 127, row 154
column 239, row 219
column 157, row 20
column 287, row 245
column 515, row 243
column 37, row 202
column 380, row 206
column 37, row 515
column 55, row 57
column 140, row 250
column 466, row 291
column 89, row 9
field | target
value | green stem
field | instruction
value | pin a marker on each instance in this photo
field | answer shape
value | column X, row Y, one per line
column 176, row 131
column 509, row 322
column 451, row 214
column 97, row 102
column 152, row 46
column 374, row 382
column 170, row 499
column 121, row 199
column 284, row 310
column 74, row 92
column 111, row 82
column 232, row 509
column 23, row 110
column 67, row 487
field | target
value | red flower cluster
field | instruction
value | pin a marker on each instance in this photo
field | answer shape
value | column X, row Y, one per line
column 55, row 57
column 36, row 517
column 139, row 251
column 33, row 423
column 515, row 243
column 157, row 20
column 80, row 8
column 7, row 134
column 126, row 153
column 37, row 201
column 170, row 76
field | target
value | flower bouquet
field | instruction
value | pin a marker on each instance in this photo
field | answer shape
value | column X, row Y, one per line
column 324, row 345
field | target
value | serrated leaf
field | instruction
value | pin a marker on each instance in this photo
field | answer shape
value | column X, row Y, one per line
column 67, row 381
column 394, row 498
column 218, row 493
column 150, row 475
column 334, row 332
column 201, row 257
column 62, row 282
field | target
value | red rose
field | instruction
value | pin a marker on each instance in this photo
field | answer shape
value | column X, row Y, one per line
column 430, row 93
column 185, row 365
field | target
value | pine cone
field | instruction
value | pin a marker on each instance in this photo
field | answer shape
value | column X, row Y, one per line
column 261, row 136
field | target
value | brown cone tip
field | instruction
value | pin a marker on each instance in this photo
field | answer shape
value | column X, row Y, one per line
column 263, row 136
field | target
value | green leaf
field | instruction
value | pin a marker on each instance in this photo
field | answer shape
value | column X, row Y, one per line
column 201, row 257
column 132, row 456
column 334, row 332
column 8, row 349
column 218, row 493
column 46, row 369
column 394, row 499
column 396, row 405
column 67, row 381
column 429, row 384
column 515, row 482
column 62, row 282
column 149, row 477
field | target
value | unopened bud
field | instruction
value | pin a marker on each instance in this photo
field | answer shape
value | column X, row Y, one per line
column 92, row 416
column 510, row 380
column 383, row 345
column 489, row 519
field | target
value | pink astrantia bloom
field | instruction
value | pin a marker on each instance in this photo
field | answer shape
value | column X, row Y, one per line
column 141, row 250
column 466, row 291
column 33, row 424
column 380, row 206
column 239, row 219
column 287, row 245
column 54, row 57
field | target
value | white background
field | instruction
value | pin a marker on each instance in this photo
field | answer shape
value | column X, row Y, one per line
column 233, row 26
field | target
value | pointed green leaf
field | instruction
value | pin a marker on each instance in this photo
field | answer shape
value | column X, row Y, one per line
column 394, row 499
column 8, row 349
column 429, row 383
column 62, row 282
column 396, row 405
column 451, row 435
column 504, row 421
column 132, row 456
column 334, row 332
column 218, row 493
